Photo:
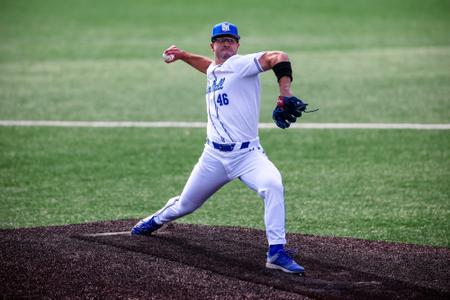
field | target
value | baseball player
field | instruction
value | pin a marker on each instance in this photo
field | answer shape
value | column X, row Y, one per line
column 232, row 149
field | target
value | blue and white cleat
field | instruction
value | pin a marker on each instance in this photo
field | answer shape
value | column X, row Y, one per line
column 146, row 226
column 282, row 261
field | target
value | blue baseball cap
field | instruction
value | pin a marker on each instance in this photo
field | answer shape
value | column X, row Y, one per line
column 224, row 29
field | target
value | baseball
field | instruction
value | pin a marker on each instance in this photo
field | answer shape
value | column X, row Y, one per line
column 168, row 57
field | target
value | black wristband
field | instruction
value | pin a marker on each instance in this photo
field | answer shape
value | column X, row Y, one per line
column 282, row 69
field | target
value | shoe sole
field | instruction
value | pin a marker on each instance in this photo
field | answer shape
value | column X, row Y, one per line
column 277, row 267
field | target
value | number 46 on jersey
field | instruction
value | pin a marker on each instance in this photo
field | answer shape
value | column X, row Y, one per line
column 222, row 99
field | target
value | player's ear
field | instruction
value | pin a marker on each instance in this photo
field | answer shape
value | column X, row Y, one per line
column 212, row 46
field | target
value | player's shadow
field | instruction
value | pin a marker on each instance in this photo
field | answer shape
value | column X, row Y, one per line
column 240, row 253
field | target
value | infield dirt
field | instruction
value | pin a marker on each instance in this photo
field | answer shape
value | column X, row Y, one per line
column 204, row 262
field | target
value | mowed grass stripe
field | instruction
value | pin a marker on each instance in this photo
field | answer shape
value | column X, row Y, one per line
column 128, row 124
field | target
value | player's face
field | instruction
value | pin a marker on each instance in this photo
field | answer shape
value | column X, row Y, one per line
column 224, row 48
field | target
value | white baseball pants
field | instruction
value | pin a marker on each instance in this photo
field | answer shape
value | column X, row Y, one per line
column 216, row 168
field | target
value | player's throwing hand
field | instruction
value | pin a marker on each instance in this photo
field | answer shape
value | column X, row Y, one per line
column 172, row 54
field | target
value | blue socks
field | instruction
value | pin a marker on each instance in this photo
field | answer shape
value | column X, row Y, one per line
column 273, row 249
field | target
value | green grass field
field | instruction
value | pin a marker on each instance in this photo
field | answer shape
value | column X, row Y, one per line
column 359, row 61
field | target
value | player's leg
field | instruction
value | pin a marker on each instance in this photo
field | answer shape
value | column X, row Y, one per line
column 206, row 178
column 261, row 175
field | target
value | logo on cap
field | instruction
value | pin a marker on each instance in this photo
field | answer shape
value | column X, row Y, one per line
column 225, row 27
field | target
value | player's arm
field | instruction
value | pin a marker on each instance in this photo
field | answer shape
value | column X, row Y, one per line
column 278, row 61
column 198, row 62
column 288, row 107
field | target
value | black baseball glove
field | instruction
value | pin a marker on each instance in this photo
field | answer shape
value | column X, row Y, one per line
column 287, row 111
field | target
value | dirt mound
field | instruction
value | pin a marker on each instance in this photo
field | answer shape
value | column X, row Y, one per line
column 199, row 262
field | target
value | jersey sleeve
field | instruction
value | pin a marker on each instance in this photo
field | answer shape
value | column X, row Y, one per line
column 248, row 65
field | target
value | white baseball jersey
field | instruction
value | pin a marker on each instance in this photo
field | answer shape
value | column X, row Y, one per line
column 233, row 99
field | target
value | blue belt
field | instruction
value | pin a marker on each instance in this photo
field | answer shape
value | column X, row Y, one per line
column 229, row 147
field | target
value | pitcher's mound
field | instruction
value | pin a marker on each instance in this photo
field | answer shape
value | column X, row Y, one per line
column 102, row 260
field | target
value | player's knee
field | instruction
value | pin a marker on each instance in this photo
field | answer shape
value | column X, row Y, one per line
column 272, row 187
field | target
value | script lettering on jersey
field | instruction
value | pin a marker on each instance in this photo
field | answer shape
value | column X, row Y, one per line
column 215, row 86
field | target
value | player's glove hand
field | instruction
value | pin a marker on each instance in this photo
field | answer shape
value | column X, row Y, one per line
column 287, row 111
column 279, row 117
